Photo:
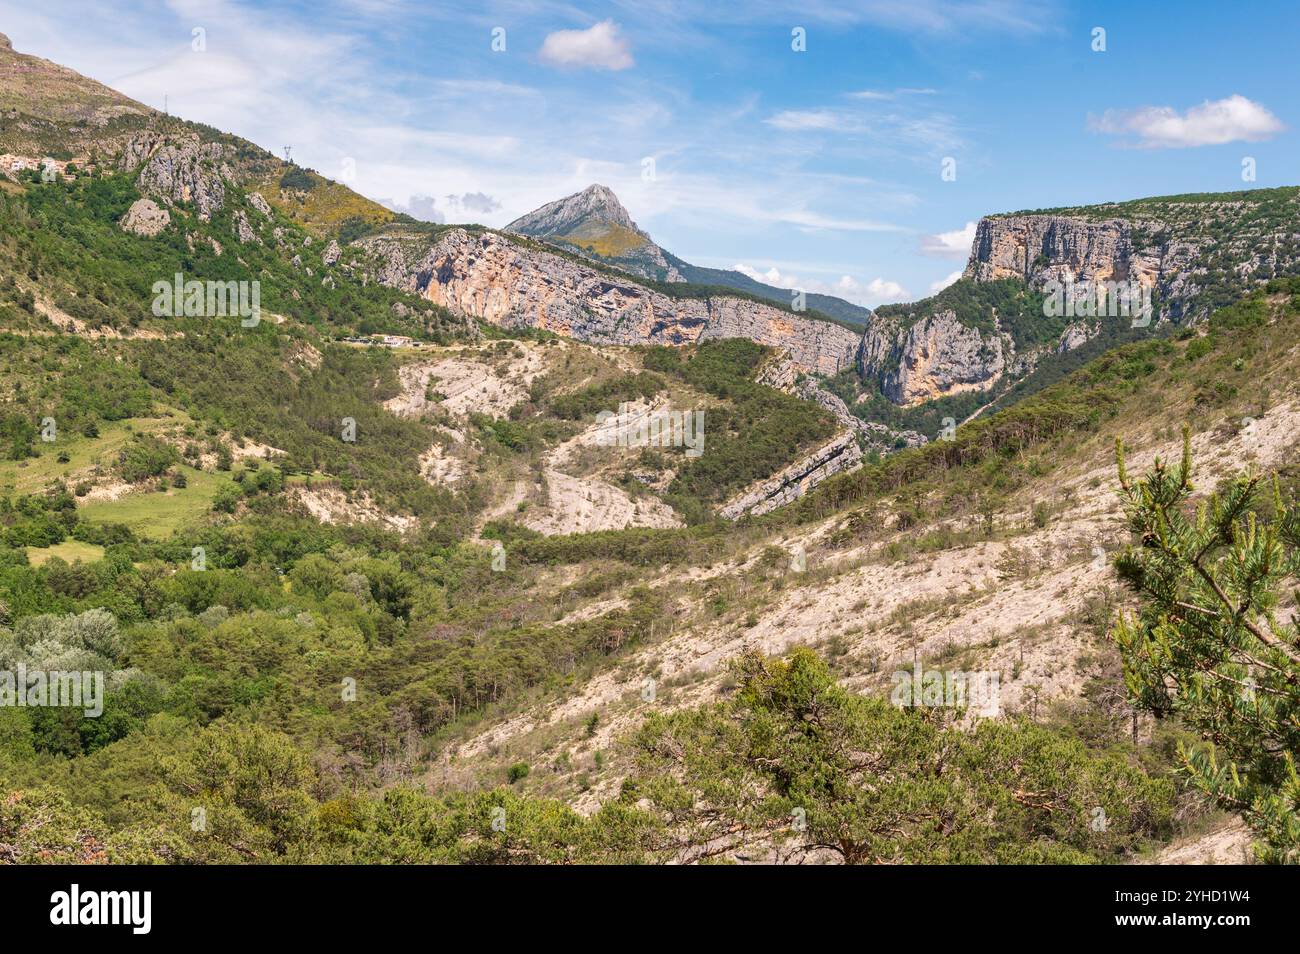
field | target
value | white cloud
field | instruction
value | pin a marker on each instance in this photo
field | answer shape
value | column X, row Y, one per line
column 772, row 276
column 941, row 284
column 875, row 292
column 466, row 207
column 882, row 290
column 846, row 286
column 1212, row 123
column 779, row 279
column 955, row 244
column 600, row 47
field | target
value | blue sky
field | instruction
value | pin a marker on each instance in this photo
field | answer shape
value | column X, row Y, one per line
column 818, row 169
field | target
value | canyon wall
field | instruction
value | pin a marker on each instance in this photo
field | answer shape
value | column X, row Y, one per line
column 933, row 357
column 487, row 276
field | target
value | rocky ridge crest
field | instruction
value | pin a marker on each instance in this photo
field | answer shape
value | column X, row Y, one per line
column 485, row 275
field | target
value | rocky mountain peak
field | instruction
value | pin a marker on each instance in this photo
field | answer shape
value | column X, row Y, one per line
column 589, row 213
column 4, row 43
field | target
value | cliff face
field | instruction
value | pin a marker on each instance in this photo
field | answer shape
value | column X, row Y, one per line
column 934, row 357
column 1035, row 248
column 1191, row 251
column 1195, row 252
column 487, row 276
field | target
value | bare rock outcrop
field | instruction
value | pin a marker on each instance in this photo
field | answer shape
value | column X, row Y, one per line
column 260, row 204
column 183, row 170
column 1076, row 335
column 595, row 207
column 932, row 357
column 1174, row 247
column 487, row 276
column 145, row 218
column 792, row 482
column 244, row 229
column 780, row 373
column 1035, row 248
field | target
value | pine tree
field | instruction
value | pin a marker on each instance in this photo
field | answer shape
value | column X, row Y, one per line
column 1209, row 644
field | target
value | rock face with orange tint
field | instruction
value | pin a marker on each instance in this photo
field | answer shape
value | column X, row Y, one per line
column 1197, row 251
column 933, row 357
column 487, row 276
column 1040, row 248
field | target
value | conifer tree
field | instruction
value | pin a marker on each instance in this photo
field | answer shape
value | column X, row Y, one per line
column 1210, row 645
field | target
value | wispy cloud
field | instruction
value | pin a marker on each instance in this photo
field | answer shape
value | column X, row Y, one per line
column 476, row 89
column 881, row 94
column 820, row 120
column 815, row 220
column 897, row 127
column 1212, row 123
column 908, row 16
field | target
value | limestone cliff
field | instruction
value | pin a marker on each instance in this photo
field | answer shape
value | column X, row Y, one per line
column 488, row 276
column 1041, row 248
column 932, row 357
column 1195, row 251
